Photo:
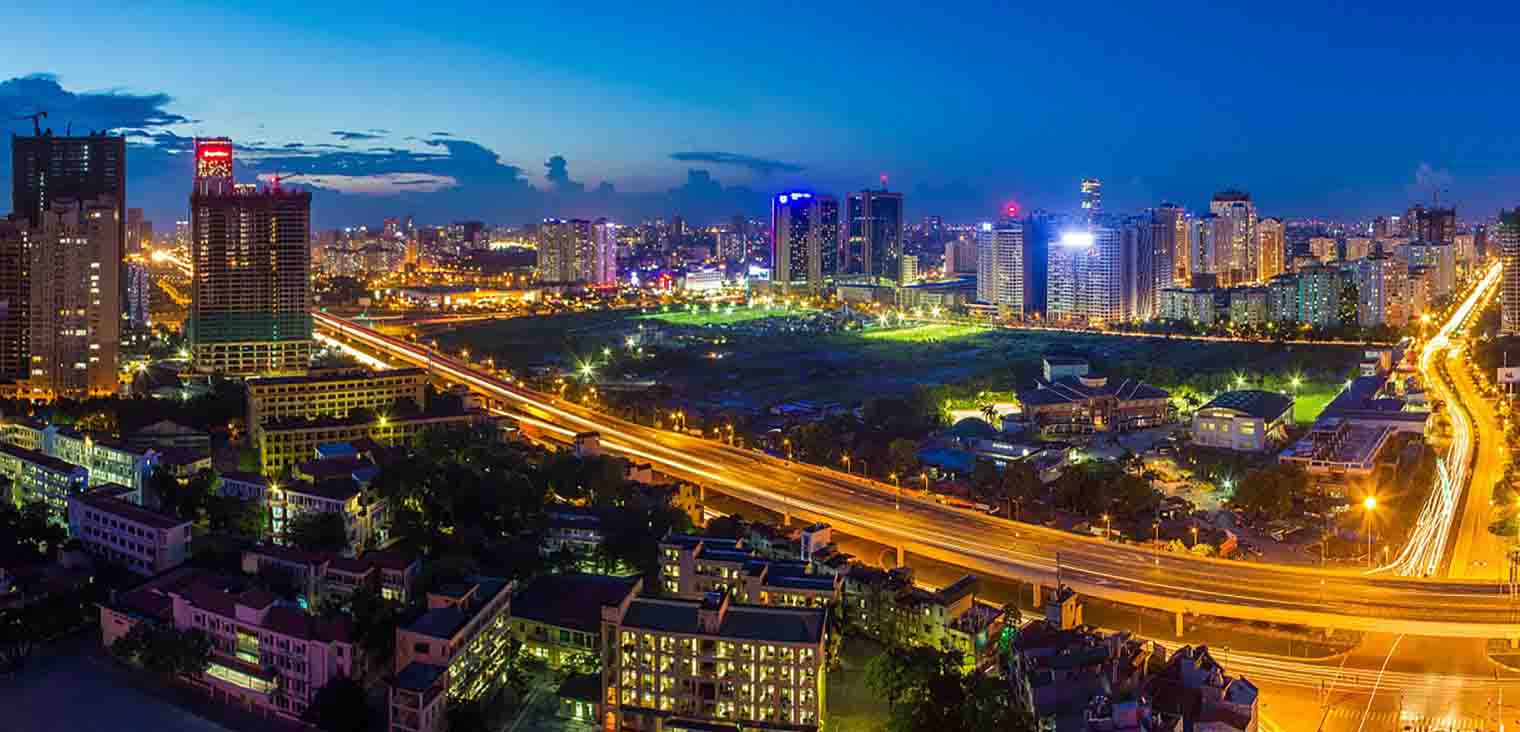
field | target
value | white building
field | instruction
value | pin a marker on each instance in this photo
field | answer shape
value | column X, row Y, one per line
column 1243, row 421
column 1000, row 265
column 1083, row 282
column 146, row 542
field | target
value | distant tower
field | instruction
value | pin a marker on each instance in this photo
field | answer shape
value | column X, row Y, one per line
column 873, row 234
column 1000, row 266
column 804, row 240
column 1507, row 234
column 1092, row 199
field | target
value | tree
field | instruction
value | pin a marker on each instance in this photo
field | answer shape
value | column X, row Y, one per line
column 317, row 531
column 926, row 691
column 1268, row 492
column 340, row 706
column 1020, row 482
column 234, row 516
column 27, row 533
column 186, row 501
column 164, row 650
column 903, row 456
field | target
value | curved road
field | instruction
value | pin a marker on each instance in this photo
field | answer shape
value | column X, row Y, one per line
column 1118, row 572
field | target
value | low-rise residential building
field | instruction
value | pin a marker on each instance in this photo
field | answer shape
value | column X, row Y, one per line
column 1085, row 404
column 693, row 566
column 37, row 476
column 888, row 606
column 684, row 664
column 265, row 656
column 106, row 459
column 558, row 617
column 365, row 518
column 285, row 444
column 320, row 576
column 1249, row 420
column 332, row 393
column 571, row 528
column 457, row 650
column 1341, row 450
column 1193, row 686
column 121, row 532
column 250, row 487
column 1075, row 679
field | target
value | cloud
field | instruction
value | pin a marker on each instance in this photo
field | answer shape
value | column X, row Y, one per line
column 558, row 174
column 381, row 184
column 1428, row 176
column 442, row 134
column 84, row 111
column 761, row 166
column 352, row 136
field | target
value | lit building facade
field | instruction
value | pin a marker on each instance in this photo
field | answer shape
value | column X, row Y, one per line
column 15, row 298
column 457, row 650
column 75, row 292
column 1000, row 266
column 332, row 393
column 36, row 476
column 1507, row 236
column 1272, row 249
column 251, row 252
column 804, row 241
column 121, row 532
column 1237, row 256
column 1092, row 199
column 1085, row 282
column 872, row 235
column 682, row 664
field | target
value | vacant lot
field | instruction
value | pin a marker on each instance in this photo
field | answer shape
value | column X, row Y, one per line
column 764, row 362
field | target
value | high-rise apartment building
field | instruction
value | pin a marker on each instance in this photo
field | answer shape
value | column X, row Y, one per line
column 805, row 247
column 1169, row 235
column 600, row 268
column 1323, row 248
column 1237, row 255
column 561, row 246
column 75, row 316
column 961, row 256
column 1507, row 236
column 1000, row 266
column 15, row 298
column 45, row 168
column 1431, row 224
column 1381, row 290
column 872, row 235
column 1085, row 277
column 1358, row 247
column 139, row 232
column 1271, row 249
column 1137, row 273
column 1092, row 199
column 1041, row 230
column 251, row 251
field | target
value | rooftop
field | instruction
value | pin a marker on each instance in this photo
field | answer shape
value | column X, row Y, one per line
column 38, row 458
column 571, row 601
column 1081, row 388
column 109, row 503
column 419, row 676
column 444, row 622
column 743, row 622
column 1264, row 405
column 344, row 375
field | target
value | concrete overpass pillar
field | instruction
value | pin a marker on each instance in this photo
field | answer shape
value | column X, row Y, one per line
column 1039, row 595
column 901, row 556
column 786, row 518
column 1180, row 624
column 702, row 492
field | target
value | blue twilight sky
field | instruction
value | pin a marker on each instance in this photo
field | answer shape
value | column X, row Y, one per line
column 457, row 109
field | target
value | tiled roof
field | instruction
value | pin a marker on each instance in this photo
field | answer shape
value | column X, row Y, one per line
column 571, row 601
column 1264, row 405
column 131, row 512
column 743, row 622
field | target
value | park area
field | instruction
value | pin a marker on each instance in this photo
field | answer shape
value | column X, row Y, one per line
column 743, row 358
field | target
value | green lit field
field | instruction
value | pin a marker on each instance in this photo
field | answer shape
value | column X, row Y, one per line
column 1312, row 400
column 926, row 333
column 703, row 316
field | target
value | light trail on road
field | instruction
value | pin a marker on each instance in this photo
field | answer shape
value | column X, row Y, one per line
column 1424, row 554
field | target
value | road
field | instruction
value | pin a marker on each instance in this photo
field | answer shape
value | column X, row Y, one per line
column 1478, row 553
column 985, row 544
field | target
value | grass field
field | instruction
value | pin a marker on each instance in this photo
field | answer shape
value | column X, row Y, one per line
column 703, row 317
column 926, row 333
column 1312, row 400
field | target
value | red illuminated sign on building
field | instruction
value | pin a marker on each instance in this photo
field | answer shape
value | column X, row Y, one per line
column 213, row 158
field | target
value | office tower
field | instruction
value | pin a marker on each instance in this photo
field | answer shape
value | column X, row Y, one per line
column 139, row 232
column 1169, row 235
column 872, row 235
column 1203, row 248
column 804, row 240
column 1000, row 266
column 1430, row 224
column 15, row 297
column 75, row 321
column 1237, row 256
column 251, row 251
column 1092, row 199
column 1271, row 248
column 1381, row 290
column 182, row 234
column 1085, row 285
column 45, row 168
column 1507, row 237
column 601, row 267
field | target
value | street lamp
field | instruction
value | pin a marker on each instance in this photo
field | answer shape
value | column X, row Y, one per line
column 1108, row 527
column 897, row 497
column 787, row 443
column 846, row 460
column 1156, row 545
column 1195, row 537
column 1369, row 504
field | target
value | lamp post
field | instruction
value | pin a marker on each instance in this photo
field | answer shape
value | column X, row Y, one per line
column 1156, row 545
column 1195, row 537
column 846, row 460
column 787, row 443
column 1108, row 526
column 897, row 495
column 925, row 476
column 1369, row 504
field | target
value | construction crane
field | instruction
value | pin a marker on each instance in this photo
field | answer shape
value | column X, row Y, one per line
column 36, row 121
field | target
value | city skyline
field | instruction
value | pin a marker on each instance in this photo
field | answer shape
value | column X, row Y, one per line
column 987, row 106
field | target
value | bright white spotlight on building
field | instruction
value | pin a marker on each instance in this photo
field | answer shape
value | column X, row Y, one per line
column 1076, row 239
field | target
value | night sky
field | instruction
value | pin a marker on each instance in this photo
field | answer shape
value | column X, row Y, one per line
column 511, row 111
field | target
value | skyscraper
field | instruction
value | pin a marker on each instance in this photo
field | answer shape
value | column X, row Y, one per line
column 1381, row 290
column 1137, row 269
column 1236, row 249
column 45, row 168
column 1092, row 199
column 1086, row 283
column 1000, row 266
column 1272, row 249
column 15, row 297
column 75, row 318
column 1507, row 236
column 251, row 251
column 872, row 235
column 804, row 240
